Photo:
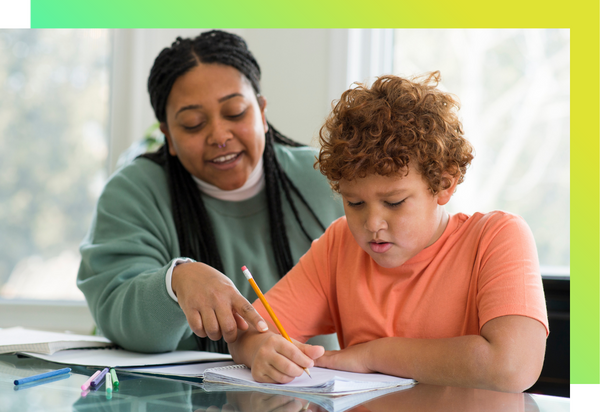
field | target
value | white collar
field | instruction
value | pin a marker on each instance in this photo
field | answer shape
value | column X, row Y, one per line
column 254, row 184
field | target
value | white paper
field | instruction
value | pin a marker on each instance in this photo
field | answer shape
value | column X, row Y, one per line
column 191, row 370
column 115, row 358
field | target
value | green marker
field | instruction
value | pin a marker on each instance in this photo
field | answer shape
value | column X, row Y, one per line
column 115, row 380
column 109, row 386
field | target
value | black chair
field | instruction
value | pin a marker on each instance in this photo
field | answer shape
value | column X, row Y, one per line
column 555, row 376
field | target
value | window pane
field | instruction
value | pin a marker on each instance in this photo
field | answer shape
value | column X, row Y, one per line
column 514, row 91
column 53, row 135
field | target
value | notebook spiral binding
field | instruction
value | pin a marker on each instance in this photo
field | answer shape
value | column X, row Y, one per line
column 220, row 368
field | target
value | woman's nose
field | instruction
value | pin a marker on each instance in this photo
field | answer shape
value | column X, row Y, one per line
column 218, row 134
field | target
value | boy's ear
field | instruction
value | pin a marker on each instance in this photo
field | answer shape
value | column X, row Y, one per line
column 165, row 130
column 444, row 195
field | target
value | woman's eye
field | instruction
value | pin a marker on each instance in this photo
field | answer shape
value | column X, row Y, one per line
column 192, row 128
column 236, row 115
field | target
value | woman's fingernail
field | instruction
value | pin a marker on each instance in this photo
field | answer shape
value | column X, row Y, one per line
column 262, row 326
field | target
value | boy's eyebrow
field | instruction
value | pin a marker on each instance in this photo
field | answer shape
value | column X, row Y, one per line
column 380, row 194
column 391, row 192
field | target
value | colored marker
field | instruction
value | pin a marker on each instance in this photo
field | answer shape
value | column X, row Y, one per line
column 44, row 381
column 42, row 376
column 98, row 380
column 113, row 375
column 86, row 385
column 268, row 308
column 109, row 386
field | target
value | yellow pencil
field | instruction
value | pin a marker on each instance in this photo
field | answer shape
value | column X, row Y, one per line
column 268, row 308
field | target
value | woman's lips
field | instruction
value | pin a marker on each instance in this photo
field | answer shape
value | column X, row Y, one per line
column 381, row 247
column 226, row 161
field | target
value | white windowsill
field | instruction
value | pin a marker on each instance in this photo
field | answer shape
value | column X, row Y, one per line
column 59, row 316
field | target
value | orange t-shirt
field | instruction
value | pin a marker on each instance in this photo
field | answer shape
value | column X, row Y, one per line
column 482, row 267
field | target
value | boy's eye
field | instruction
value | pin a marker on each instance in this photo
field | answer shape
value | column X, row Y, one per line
column 395, row 204
column 355, row 204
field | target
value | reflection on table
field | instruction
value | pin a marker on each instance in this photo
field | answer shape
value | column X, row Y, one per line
column 149, row 394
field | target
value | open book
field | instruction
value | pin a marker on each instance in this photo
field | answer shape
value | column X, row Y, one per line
column 324, row 381
column 28, row 340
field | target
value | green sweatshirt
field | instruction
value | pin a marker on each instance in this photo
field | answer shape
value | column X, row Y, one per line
column 132, row 243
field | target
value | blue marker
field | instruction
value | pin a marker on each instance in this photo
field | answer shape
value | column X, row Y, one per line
column 42, row 376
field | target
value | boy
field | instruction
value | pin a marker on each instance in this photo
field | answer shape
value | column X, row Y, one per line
column 410, row 290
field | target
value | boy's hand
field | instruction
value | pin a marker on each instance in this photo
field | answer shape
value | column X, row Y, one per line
column 276, row 360
column 352, row 359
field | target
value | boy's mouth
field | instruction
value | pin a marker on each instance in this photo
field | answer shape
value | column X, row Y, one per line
column 379, row 246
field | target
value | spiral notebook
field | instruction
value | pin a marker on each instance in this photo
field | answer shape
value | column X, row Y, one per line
column 324, row 381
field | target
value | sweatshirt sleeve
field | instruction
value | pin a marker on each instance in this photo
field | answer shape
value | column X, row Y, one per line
column 131, row 244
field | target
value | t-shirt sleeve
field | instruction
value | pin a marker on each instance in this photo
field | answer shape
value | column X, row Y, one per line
column 510, row 282
column 301, row 298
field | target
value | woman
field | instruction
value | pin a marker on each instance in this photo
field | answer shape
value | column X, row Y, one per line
column 161, row 264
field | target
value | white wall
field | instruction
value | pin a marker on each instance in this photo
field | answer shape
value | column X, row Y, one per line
column 302, row 71
column 295, row 74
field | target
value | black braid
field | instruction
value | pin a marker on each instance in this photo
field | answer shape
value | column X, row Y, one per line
column 194, row 229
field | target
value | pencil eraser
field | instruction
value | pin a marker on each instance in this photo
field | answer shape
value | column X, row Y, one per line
column 244, row 268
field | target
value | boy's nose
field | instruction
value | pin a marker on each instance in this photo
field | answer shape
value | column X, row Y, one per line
column 374, row 223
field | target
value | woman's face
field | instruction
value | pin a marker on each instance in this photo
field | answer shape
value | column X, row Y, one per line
column 216, row 125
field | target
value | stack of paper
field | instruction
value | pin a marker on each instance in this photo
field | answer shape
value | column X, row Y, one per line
column 119, row 358
column 95, row 351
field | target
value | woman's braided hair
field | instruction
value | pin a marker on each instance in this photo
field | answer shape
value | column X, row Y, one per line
column 194, row 229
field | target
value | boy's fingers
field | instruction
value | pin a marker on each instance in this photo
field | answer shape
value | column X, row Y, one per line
column 295, row 355
column 326, row 361
column 312, row 351
column 250, row 315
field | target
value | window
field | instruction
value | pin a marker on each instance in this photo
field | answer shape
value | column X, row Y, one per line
column 53, row 134
column 514, row 91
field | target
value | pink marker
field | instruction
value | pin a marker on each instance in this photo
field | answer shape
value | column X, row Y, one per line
column 86, row 385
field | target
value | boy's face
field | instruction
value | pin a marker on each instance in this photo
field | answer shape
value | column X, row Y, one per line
column 394, row 217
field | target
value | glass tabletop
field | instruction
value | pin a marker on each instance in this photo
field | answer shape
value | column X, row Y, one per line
column 142, row 393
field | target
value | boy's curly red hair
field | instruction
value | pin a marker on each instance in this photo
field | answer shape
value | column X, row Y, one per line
column 396, row 121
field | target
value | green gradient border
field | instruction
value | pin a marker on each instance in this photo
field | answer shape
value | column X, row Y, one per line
column 581, row 17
